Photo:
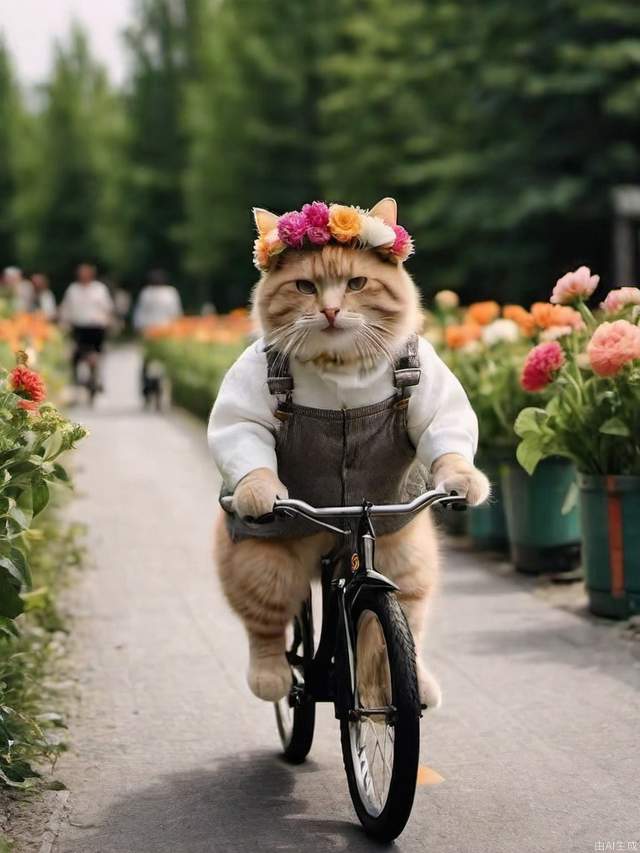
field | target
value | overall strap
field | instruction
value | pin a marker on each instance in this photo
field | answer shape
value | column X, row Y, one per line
column 279, row 380
column 406, row 370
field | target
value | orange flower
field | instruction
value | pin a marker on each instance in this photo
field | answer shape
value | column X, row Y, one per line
column 522, row 317
column 483, row 313
column 458, row 336
column 546, row 315
column 344, row 222
column 27, row 384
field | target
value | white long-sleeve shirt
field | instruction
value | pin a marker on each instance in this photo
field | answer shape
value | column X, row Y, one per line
column 157, row 304
column 242, row 427
column 87, row 305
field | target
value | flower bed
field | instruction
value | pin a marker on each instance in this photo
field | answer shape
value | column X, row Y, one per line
column 33, row 437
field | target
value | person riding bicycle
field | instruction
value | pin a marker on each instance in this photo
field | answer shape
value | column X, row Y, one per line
column 88, row 309
column 158, row 303
column 340, row 400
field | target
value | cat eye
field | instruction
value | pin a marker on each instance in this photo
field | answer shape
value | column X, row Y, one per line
column 357, row 283
column 305, row 286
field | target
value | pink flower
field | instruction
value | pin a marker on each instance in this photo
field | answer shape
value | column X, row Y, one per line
column 317, row 215
column 292, row 228
column 403, row 245
column 578, row 284
column 317, row 235
column 616, row 300
column 612, row 346
column 540, row 365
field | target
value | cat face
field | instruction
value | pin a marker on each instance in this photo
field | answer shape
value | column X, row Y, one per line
column 337, row 304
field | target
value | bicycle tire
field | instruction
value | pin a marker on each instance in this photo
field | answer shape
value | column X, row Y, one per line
column 389, row 822
column 296, row 719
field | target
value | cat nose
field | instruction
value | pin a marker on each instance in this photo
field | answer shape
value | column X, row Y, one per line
column 331, row 314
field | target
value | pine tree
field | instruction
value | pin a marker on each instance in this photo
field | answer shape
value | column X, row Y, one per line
column 8, row 115
column 163, row 53
column 253, row 130
column 62, row 182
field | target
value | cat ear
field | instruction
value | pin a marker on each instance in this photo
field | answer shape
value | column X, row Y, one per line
column 265, row 221
column 387, row 210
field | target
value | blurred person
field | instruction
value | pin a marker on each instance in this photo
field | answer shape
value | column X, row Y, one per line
column 88, row 309
column 158, row 303
column 44, row 302
column 19, row 289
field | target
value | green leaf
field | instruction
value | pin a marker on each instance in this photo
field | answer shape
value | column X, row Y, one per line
column 53, row 445
column 22, row 512
column 40, row 496
column 11, row 604
column 15, row 563
column 529, row 452
column 530, row 420
column 614, row 426
column 60, row 472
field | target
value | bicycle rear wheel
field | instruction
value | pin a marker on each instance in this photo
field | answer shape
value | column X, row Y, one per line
column 296, row 713
column 381, row 741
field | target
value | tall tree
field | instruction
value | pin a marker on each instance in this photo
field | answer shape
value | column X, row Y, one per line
column 62, row 179
column 253, row 131
column 162, row 50
column 9, row 107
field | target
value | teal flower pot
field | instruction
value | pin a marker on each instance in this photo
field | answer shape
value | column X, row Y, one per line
column 542, row 539
column 610, row 511
column 487, row 524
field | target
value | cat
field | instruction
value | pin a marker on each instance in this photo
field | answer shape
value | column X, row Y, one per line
column 340, row 314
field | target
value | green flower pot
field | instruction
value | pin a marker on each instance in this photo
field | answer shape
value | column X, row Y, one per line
column 542, row 539
column 487, row 525
column 610, row 511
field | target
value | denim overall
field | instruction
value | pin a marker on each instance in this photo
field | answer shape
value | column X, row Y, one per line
column 330, row 457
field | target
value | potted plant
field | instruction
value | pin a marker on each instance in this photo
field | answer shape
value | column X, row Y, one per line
column 592, row 418
column 485, row 351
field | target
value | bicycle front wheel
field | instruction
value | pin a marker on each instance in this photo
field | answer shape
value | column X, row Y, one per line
column 381, row 739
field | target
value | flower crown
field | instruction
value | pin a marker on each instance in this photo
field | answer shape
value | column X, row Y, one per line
column 318, row 224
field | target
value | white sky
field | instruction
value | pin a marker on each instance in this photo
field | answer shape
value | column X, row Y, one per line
column 30, row 27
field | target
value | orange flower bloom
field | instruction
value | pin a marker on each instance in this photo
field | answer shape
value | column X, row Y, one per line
column 546, row 315
column 344, row 222
column 27, row 384
column 458, row 336
column 483, row 313
column 522, row 317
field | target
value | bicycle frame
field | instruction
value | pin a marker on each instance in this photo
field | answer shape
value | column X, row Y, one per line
column 345, row 571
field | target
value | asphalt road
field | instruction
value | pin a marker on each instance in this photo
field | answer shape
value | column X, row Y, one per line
column 535, row 749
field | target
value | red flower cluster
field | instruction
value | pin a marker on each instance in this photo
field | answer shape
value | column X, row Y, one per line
column 540, row 365
column 27, row 384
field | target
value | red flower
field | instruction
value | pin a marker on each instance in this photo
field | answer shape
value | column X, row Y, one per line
column 540, row 365
column 27, row 384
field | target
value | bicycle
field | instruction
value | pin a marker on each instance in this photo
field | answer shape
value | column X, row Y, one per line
column 380, row 720
column 87, row 372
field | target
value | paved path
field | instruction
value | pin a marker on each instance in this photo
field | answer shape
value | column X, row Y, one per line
column 538, row 741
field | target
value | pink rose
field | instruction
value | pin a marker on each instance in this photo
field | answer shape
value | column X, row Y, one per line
column 317, row 235
column 317, row 215
column 578, row 284
column 292, row 228
column 403, row 245
column 540, row 365
column 612, row 346
column 616, row 300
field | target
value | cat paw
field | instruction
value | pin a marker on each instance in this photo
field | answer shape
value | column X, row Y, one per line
column 428, row 687
column 270, row 678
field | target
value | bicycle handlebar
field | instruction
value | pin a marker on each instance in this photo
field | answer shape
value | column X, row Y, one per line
column 291, row 505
